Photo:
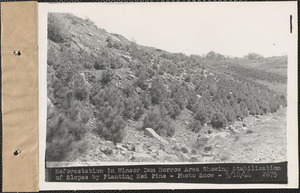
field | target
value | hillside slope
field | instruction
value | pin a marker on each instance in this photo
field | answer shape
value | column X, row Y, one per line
column 104, row 91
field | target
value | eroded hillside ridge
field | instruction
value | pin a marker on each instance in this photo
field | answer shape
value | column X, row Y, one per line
column 107, row 90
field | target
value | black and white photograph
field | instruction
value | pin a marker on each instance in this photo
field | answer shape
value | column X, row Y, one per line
column 167, row 83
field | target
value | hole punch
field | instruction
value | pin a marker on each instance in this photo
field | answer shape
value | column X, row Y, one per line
column 17, row 152
column 17, row 53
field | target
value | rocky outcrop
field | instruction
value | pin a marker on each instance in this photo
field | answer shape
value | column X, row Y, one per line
column 152, row 133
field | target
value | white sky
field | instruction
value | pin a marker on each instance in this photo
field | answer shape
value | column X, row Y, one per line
column 233, row 29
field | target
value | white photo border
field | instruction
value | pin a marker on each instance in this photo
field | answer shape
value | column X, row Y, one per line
column 292, row 111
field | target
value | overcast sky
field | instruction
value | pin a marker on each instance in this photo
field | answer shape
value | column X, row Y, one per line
column 233, row 29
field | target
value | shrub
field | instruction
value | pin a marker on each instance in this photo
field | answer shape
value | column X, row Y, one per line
column 99, row 65
column 61, row 81
column 187, row 78
column 213, row 89
column 211, row 55
column 218, row 120
column 103, row 61
column 158, row 91
column 107, row 76
column 133, row 106
column 113, row 43
column 253, row 56
column 177, row 111
column 115, row 64
column 110, row 124
column 129, row 107
column 195, row 126
column 179, row 93
column 172, row 108
column 88, row 65
column 192, row 99
column 59, row 149
column 146, row 100
column 111, row 95
column 81, row 93
column 253, row 108
column 159, row 122
column 239, row 114
column 214, row 56
column 230, row 115
column 139, row 111
column 134, row 50
column 81, row 89
column 169, row 108
column 109, row 103
column 128, row 91
column 173, row 69
column 66, row 131
column 141, row 80
column 202, row 116
column 162, row 69
column 58, row 90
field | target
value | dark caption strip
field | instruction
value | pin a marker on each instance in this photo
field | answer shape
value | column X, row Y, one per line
column 271, row 173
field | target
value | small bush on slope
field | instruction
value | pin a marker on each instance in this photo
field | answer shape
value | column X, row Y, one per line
column 146, row 100
column 159, row 121
column 218, row 120
column 107, row 76
column 158, row 91
column 110, row 124
column 195, row 126
column 172, row 108
column 110, row 107
column 64, row 136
